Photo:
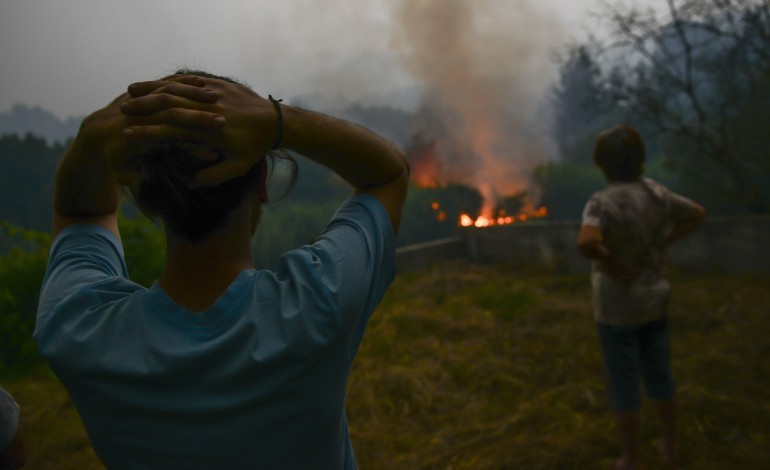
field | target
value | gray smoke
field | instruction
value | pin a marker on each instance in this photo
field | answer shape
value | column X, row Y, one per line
column 485, row 65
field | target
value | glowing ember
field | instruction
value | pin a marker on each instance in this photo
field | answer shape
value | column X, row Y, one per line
column 440, row 215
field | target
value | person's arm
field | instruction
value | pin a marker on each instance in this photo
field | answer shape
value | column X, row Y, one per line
column 371, row 164
column 689, row 217
column 590, row 243
column 85, row 188
column 98, row 160
column 368, row 162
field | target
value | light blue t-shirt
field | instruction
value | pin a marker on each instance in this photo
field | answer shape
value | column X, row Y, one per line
column 256, row 381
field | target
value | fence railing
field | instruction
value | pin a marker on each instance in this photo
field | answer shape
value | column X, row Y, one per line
column 728, row 244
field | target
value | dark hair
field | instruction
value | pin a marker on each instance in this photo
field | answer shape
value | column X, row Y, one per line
column 192, row 213
column 619, row 152
column 168, row 169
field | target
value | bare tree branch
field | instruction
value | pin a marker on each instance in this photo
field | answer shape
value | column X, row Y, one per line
column 691, row 75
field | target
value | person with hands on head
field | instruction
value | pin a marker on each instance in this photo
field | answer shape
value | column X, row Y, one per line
column 218, row 364
column 625, row 231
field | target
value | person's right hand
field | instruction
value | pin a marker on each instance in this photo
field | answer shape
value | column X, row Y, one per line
column 620, row 273
column 249, row 133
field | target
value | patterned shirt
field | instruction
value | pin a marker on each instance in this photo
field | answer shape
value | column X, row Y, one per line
column 635, row 219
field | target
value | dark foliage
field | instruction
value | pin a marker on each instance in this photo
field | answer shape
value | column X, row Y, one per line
column 27, row 166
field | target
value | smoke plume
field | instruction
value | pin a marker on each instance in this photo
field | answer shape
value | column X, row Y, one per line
column 484, row 65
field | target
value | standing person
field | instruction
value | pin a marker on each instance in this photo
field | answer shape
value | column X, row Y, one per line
column 625, row 231
column 218, row 364
column 11, row 439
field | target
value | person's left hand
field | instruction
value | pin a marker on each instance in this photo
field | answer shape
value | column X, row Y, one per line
column 247, row 136
column 178, row 120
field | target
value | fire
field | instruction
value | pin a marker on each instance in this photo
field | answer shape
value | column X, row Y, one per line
column 466, row 220
column 502, row 218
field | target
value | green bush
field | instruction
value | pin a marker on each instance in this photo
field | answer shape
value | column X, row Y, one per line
column 288, row 225
column 22, row 268
column 145, row 248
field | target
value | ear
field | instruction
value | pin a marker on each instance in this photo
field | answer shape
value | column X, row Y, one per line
column 262, row 181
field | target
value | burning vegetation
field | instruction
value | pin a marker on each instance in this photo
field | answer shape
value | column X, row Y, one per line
column 477, row 125
column 453, row 198
column 500, row 217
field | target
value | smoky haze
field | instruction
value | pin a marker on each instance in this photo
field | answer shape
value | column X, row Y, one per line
column 73, row 57
column 484, row 66
column 473, row 71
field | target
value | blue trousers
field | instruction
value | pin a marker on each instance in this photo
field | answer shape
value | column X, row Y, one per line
column 633, row 353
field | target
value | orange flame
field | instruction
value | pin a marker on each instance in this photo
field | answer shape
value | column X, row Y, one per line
column 502, row 218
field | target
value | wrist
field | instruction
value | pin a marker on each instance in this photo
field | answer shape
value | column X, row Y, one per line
column 292, row 122
column 279, row 122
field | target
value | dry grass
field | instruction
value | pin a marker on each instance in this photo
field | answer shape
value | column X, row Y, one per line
column 54, row 436
column 490, row 367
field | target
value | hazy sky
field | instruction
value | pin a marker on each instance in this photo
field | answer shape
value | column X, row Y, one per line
column 73, row 56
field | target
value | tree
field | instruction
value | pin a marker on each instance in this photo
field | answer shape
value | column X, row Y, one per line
column 565, row 187
column 696, row 76
column 580, row 105
column 27, row 167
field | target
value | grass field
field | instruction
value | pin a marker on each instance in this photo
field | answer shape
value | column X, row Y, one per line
column 492, row 367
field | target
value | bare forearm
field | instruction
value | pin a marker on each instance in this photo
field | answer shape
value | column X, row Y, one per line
column 85, row 185
column 359, row 156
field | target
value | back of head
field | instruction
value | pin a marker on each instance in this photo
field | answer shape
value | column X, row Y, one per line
column 194, row 214
column 620, row 153
column 191, row 213
column 167, row 169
